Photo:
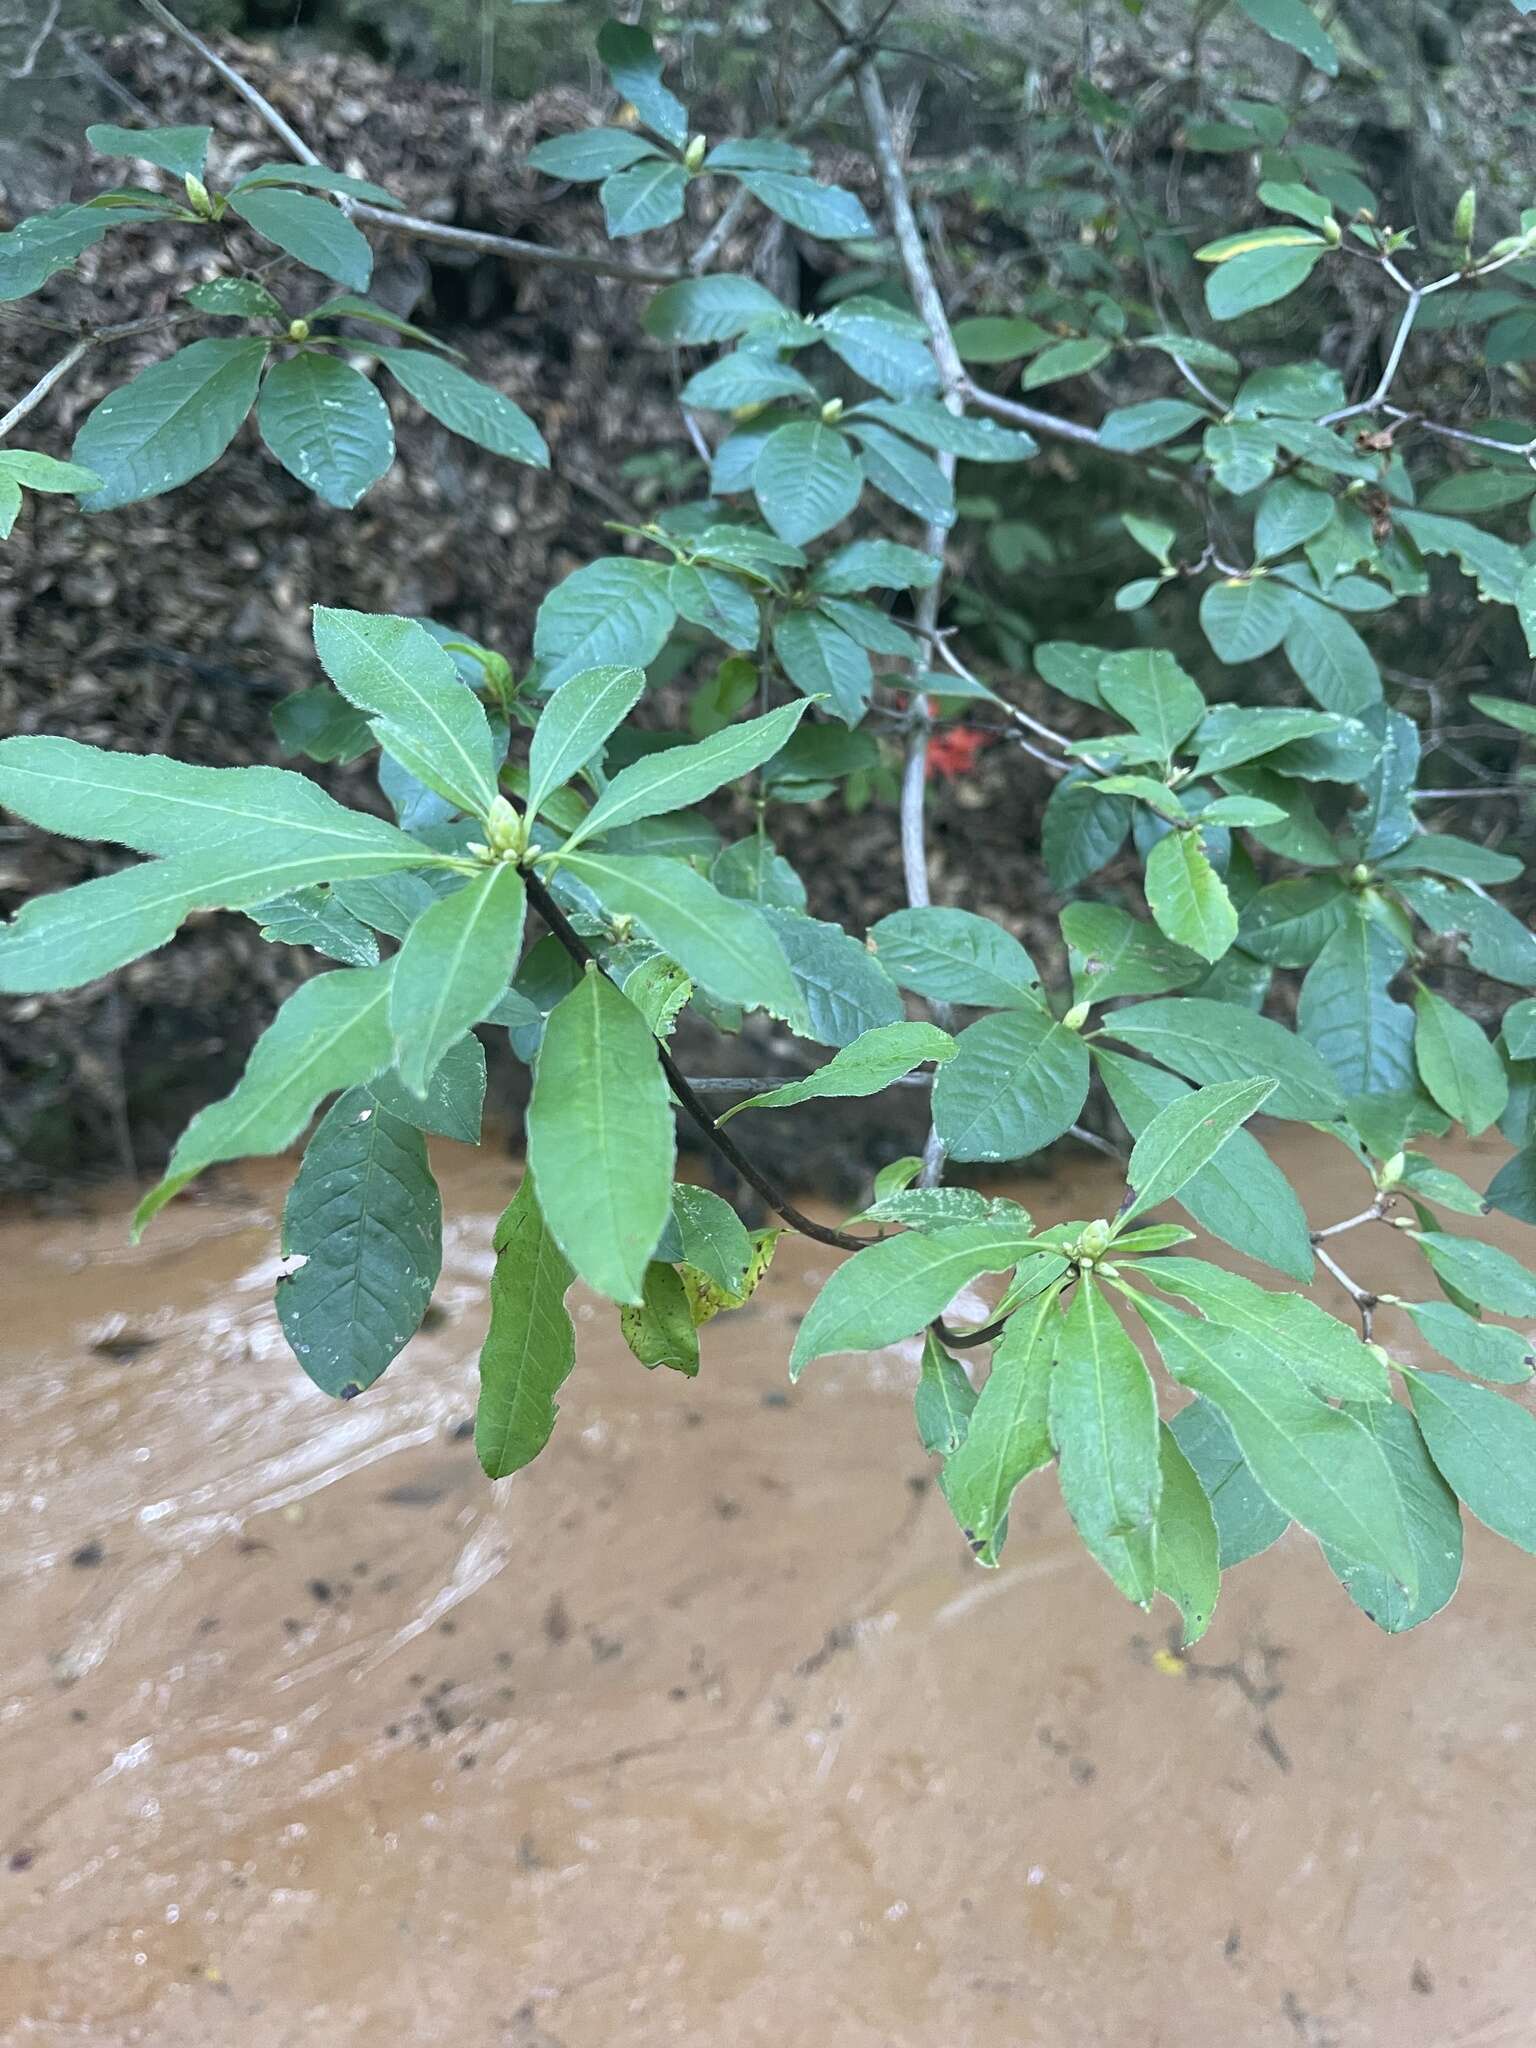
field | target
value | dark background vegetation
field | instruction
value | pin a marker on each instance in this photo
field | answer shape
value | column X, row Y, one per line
column 175, row 625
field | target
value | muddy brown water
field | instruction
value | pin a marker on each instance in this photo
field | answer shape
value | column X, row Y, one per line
column 704, row 1730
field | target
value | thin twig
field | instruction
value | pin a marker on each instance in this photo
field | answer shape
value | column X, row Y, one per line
column 35, row 48
column 1363, row 1299
column 75, row 354
column 233, row 79
column 1371, row 1215
column 1389, row 373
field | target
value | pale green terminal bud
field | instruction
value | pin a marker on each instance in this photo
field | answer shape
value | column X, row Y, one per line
column 197, row 196
column 1076, row 1017
column 298, row 330
column 1392, row 1172
column 1359, row 875
column 506, row 834
column 1095, row 1240
column 693, row 155
column 832, row 412
column 1464, row 227
column 1333, row 234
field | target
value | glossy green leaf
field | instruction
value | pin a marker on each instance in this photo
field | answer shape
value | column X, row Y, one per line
column 1485, row 1447
column 885, row 347
column 600, row 1138
column 929, row 421
column 1456, row 1063
column 1064, row 359
column 679, row 776
column 331, row 1033
column 326, row 425
column 1247, row 1520
column 181, row 151
column 829, row 211
column 1187, row 896
column 1016, row 1083
column 954, row 956
column 1188, row 1549
column 1329, row 656
column 1082, row 832
column 1487, row 1351
column 236, row 298
column 661, row 1329
column 449, row 974
column 42, row 245
column 590, row 154
column 1293, row 22
column 610, row 612
column 1299, row 1339
column 943, row 1401
column 1433, row 1522
column 648, row 195
column 1241, row 1196
column 1115, row 954
column 423, row 711
column 721, row 604
column 1103, row 1422
column 894, row 1289
column 1361, row 1033
column 630, row 59
column 1480, row 1272
column 1186, row 1136
column 1290, row 922
column 819, row 658
column 170, row 422
column 365, row 1217
column 317, row 178
column 466, row 406
column 701, row 309
column 574, row 725
column 806, row 480
column 904, row 474
column 1008, row 1436
column 1260, row 277
column 1208, row 1041
column 313, row 230
column 842, row 990
column 871, row 1063
column 1153, row 694
column 455, row 1097
column 1243, row 620
column 531, row 1344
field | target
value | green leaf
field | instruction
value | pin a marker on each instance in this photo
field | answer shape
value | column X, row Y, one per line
column 1133, row 428
column 1008, row 1436
column 182, row 151
column 1202, row 355
column 235, row 298
column 1188, row 1549
column 1346, row 1015
column 994, row 338
column 1016, row 1083
column 451, row 971
column 45, row 243
column 1318, row 1464
column 1487, row 1351
column 1151, row 692
column 326, row 425
column 1115, row 954
column 891, row 1290
column 944, row 1399
column 1456, row 1063
column 1442, row 853
column 331, row 1033
column 842, row 990
column 874, row 565
column 721, row 604
column 709, row 1236
column 170, row 422
column 650, row 195
column 1243, row 620
column 829, row 211
column 1293, row 22
column 1519, row 1027
column 871, row 1063
column 1259, row 277
column 1103, row 1422
column 904, row 475
column 1290, row 513
column 1064, row 359
column 1082, row 832
column 1480, row 1272
column 45, row 472
column 350, row 306
column 1433, row 1522
column 1242, row 455
column 954, row 956
column 1208, row 1041
column 1296, row 1338
column 1297, row 200
column 312, row 230
column 1241, row 1196
column 1497, row 943
column 1187, row 896
column 704, row 309
column 719, row 943
column 931, row 422
column 600, row 1138
column 1247, row 1520
column 365, row 1217
column 677, row 776
column 423, row 711
column 318, row 178
column 466, row 406
column 662, row 1331
column 1184, row 1137
column 885, row 347
column 455, row 1097
column 10, row 504
column 313, row 917
column 819, row 658
column 1513, row 1188
column 1329, row 656
column 531, row 1344
column 1485, row 1446
column 806, row 479
column 1073, row 669
column 574, row 725
column 754, row 870
column 757, row 153
column 630, row 59
column 1290, row 922
column 591, row 154
column 613, row 611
